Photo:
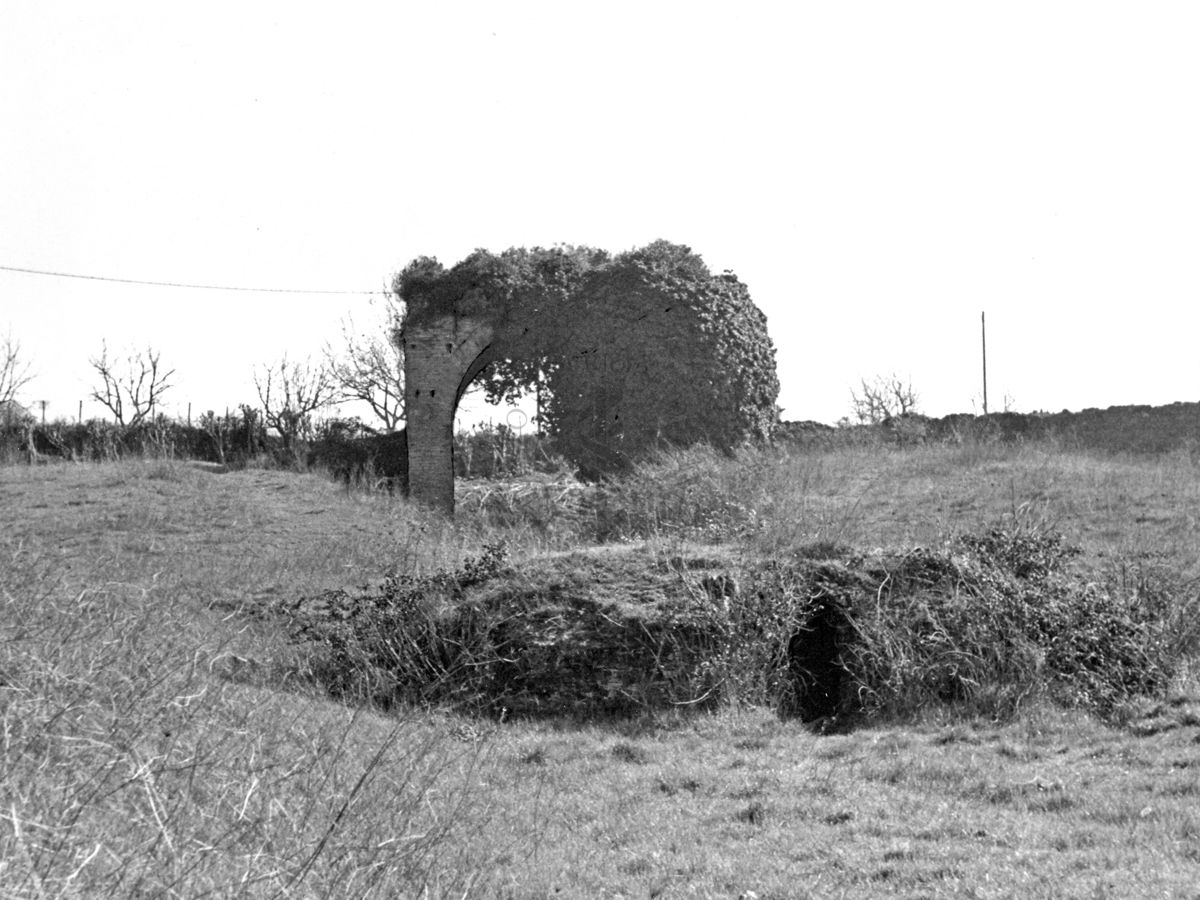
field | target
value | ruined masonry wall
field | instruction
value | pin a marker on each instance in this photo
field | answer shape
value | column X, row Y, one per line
column 437, row 356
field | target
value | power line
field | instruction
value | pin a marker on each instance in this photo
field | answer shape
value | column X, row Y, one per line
column 176, row 284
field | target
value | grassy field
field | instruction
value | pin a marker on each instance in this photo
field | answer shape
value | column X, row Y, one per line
column 159, row 736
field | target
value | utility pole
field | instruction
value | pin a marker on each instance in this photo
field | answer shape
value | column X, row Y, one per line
column 44, row 404
column 983, row 327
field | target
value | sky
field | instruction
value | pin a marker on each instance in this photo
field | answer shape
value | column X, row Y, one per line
column 880, row 174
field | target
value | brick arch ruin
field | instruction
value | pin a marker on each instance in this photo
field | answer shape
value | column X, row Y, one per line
column 667, row 352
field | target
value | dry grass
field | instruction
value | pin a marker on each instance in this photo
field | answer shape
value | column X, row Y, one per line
column 920, row 496
column 156, row 741
column 1053, row 807
column 153, row 741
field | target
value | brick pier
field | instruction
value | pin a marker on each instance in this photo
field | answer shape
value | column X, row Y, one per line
column 441, row 359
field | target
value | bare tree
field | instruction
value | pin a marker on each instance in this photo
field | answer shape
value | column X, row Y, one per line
column 14, row 371
column 131, row 388
column 1008, row 403
column 291, row 392
column 883, row 398
column 370, row 367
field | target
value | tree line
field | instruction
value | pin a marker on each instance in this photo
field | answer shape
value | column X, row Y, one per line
column 131, row 386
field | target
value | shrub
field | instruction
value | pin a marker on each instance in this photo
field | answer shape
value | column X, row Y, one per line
column 371, row 460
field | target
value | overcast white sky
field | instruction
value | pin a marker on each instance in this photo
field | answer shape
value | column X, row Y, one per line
column 877, row 173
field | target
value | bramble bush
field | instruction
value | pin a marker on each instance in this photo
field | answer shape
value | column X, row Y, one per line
column 397, row 644
column 997, row 618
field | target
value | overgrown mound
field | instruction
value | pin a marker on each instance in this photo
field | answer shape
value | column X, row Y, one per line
column 986, row 622
column 606, row 632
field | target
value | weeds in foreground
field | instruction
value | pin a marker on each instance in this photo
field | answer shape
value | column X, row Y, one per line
column 130, row 763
